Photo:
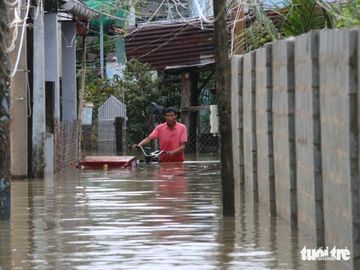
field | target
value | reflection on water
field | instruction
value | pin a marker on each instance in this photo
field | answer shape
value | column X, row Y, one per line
column 155, row 216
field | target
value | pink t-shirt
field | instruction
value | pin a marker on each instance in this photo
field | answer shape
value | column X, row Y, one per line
column 170, row 139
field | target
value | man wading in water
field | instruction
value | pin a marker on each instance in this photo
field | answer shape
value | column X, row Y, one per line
column 172, row 137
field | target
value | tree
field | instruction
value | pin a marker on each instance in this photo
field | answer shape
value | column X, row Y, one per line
column 223, row 89
column 4, row 116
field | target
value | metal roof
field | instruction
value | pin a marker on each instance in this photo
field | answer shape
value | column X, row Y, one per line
column 164, row 45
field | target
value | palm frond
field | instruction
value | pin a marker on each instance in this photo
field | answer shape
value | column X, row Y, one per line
column 260, row 31
column 301, row 16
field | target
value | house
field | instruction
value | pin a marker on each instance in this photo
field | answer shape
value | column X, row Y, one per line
column 44, row 89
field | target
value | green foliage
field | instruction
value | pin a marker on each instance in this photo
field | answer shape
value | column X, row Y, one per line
column 140, row 90
column 97, row 91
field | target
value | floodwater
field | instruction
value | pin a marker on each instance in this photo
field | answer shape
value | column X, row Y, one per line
column 154, row 216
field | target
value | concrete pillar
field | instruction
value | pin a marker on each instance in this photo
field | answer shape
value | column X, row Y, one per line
column 264, row 132
column 52, row 74
column 52, row 57
column 38, row 130
column 19, row 104
column 284, row 130
column 69, row 93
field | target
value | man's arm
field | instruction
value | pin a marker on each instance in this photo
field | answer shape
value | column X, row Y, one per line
column 177, row 150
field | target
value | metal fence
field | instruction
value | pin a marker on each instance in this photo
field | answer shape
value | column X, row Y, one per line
column 112, row 127
column 66, row 143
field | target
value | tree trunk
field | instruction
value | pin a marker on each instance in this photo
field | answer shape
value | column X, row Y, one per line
column 223, row 89
column 4, row 117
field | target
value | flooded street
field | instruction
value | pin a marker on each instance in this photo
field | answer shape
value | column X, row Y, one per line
column 154, row 216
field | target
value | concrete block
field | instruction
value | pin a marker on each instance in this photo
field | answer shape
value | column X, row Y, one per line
column 236, row 118
column 284, row 130
column 264, row 132
column 249, row 123
column 307, row 127
column 339, row 146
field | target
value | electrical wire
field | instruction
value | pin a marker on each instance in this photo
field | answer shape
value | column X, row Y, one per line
column 21, row 40
column 161, row 23
column 236, row 20
column 165, row 43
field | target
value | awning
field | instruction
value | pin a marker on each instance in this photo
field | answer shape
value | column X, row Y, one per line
column 78, row 8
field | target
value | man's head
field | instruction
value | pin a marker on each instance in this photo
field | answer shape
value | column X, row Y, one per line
column 170, row 116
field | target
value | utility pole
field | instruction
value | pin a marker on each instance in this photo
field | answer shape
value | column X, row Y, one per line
column 19, row 93
column 102, row 48
column 4, row 116
column 223, row 89
column 38, row 110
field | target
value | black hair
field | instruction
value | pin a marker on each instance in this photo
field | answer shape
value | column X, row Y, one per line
column 170, row 110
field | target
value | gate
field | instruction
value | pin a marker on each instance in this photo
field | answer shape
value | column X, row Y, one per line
column 112, row 126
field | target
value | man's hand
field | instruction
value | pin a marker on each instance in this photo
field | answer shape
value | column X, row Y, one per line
column 133, row 147
column 170, row 153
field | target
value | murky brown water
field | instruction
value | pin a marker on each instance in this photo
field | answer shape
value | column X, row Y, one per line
column 151, row 217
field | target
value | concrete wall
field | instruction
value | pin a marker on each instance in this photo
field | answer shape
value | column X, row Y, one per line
column 300, row 135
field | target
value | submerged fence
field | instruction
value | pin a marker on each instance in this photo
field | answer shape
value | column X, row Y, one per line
column 296, row 137
column 66, row 143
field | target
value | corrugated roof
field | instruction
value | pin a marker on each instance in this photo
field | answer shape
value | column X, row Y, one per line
column 168, row 44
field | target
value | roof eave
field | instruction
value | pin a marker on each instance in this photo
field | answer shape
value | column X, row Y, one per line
column 78, row 8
